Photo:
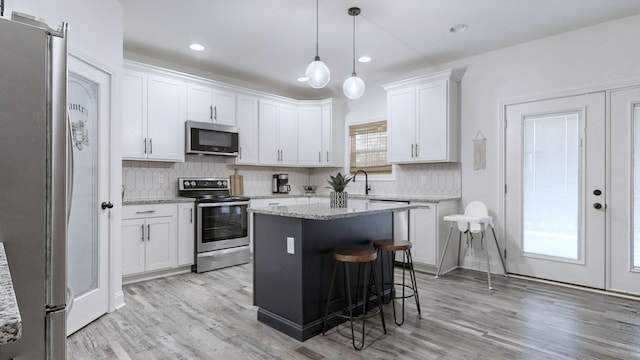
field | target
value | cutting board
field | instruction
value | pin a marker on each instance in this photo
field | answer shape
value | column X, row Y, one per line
column 237, row 185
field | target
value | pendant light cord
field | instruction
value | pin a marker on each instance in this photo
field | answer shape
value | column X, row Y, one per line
column 317, row 27
column 354, row 46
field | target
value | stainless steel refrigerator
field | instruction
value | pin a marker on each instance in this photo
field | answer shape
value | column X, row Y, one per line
column 33, row 181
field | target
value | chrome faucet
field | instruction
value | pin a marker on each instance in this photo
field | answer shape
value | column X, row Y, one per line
column 367, row 187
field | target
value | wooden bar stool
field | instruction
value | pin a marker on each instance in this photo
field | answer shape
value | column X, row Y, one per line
column 364, row 257
column 391, row 246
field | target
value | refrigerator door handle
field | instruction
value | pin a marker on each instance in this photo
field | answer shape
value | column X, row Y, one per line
column 56, row 334
column 70, row 299
column 70, row 169
column 58, row 168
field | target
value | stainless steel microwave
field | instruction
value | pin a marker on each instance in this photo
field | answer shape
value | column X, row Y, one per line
column 211, row 139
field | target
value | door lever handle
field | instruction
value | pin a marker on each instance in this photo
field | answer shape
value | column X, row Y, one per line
column 106, row 205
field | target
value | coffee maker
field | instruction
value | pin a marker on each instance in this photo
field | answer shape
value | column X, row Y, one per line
column 280, row 184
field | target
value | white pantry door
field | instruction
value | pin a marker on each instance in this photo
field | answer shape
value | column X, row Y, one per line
column 88, row 227
column 555, row 189
column 624, row 209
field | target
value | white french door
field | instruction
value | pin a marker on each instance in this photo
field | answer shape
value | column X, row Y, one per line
column 555, row 189
column 89, row 90
column 624, row 209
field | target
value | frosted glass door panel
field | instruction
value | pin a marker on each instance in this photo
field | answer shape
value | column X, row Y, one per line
column 551, row 186
column 82, row 247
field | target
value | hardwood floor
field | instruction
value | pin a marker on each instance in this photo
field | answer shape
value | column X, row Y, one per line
column 210, row 316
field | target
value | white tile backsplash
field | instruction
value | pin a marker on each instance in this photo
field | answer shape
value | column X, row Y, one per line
column 146, row 179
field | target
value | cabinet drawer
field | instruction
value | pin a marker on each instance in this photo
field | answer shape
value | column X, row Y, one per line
column 148, row 211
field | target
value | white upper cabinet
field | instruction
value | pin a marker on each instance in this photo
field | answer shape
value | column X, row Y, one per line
column 277, row 133
column 208, row 104
column 332, row 137
column 248, row 129
column 134, row 114
column 320, row 135
column 310, row 136
column 423, row 119
column 154, row 111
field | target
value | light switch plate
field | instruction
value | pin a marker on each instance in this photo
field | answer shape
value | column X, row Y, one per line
column 290, row 247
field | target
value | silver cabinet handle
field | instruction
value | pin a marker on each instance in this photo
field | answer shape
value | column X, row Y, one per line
column 320, row 157
column 150, row 146
column 211, row 112
column 191, row 216
column 327, row 156
column 145, row 145
column 240, row 152
column 416, row 150
column 215, row 113
column 412, row 150
column 145, row 212
column 142, row 232
column 148, row 232
column 274, row 204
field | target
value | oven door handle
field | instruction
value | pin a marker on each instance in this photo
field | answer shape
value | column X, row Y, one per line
column 219, row 204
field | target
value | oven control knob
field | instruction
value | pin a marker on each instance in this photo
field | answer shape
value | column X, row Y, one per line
column 186, row 184
column 219, row 183
column 224, row 183
column 193, row 184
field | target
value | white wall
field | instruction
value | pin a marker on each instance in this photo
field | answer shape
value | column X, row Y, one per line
column 596, row 57
column 95, row 34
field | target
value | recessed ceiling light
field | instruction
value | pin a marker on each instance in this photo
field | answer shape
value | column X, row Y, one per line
column 196, row 47
column 364, row 59
column 302, row 78
column 458, row 28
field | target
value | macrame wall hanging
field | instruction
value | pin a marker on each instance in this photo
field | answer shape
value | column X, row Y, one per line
column 479, row 152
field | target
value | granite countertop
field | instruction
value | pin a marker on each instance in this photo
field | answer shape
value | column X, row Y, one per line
column 324, row 212
column 407, row 198
column 152, row 201
column 10, row 320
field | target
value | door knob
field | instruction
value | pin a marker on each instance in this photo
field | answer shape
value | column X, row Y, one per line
column 597, row 192
column 597, row 206
column 106, row 205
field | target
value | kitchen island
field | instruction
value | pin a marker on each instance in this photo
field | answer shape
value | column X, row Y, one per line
column 293, row 258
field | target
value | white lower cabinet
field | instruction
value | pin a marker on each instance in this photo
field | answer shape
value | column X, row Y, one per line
column 428, row 234
column 186, row 234
column 156, row 237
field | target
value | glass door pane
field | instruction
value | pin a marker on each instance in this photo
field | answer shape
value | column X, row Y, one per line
column 551, row 165
column 82, row 242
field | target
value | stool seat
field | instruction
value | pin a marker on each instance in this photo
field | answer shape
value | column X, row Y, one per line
column 355, row 255
column 392, row 245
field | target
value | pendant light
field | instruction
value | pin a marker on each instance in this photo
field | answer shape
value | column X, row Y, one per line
column 317, row 73
column 354, row 87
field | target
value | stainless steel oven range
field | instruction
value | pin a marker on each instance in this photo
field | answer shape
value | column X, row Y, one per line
column 221, row 223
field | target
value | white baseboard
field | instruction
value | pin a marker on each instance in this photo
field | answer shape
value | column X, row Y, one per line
column 118, row 301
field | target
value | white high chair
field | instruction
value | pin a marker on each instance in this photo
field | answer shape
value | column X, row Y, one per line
column 474, row 220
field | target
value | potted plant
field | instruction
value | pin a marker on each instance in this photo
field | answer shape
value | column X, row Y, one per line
column 338, row 197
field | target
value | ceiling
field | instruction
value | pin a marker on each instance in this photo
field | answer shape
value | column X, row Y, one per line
column 270, row 43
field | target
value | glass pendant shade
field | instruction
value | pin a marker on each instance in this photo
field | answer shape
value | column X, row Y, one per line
column 353, row 87
column 318, row 74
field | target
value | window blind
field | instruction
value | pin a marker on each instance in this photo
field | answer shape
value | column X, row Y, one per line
column 368, row 148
